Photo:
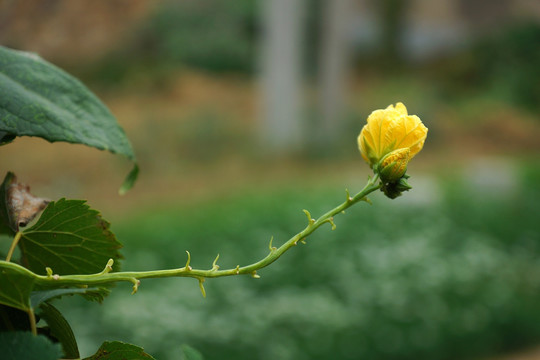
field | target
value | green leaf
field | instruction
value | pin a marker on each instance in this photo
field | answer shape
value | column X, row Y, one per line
column 130, row 180
column 60, row 329
column 39, row 99
column 17, row 345
column 191, row 353
column 70, row 238
column 39, row 297
column 15, row 286
column 116, row 350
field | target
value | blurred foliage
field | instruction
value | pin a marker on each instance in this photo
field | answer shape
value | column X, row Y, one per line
column 211, row 35
column 503, row 64
column 207, row 135
column 222, row 37
column 448, row 271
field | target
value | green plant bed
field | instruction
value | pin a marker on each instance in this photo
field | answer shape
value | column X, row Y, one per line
column 448, row 278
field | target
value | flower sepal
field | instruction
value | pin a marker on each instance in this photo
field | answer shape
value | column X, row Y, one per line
column 394, row 189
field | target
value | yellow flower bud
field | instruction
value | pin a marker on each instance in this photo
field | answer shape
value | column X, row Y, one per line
column 394, row 165
column 389, row 130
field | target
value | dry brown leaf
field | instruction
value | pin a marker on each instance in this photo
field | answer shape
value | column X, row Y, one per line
column 22, row 205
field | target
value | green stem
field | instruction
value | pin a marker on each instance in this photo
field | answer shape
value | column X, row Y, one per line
column 106, row 276
column 32, row 318
column 13, row 245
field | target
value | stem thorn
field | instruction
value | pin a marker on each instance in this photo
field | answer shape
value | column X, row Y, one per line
column 108, row 268
column 311, row 221
column 201, row 286
column 349, row 197
column 136, row 283
column 272, row 248
column 188, row 261
column 215, row 266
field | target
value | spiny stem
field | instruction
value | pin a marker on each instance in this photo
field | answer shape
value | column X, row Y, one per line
column 14, row 243
column 187, row 271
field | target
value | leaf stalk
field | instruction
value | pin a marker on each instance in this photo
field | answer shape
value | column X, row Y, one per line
column 14, row 243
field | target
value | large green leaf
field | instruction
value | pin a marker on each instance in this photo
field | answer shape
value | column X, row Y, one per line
column 15, row 287
column 17, row 345
column 116, row 350
column 70, row 238
column 60, row 329
column 39, row 99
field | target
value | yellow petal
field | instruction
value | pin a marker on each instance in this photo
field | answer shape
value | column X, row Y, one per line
column 365, row 148
column 396, row 156
column 401, row 108
column 408, row 132
column 373, row 141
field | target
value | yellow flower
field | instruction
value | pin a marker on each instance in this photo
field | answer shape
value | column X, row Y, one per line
column 389, row 130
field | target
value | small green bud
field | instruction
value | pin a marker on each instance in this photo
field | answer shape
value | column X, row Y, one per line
column 393, row 166
column 394, row 189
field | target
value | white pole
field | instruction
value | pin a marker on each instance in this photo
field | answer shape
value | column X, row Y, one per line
column 281, row 75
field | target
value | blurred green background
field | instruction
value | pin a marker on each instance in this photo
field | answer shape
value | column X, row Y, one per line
column 244, row 113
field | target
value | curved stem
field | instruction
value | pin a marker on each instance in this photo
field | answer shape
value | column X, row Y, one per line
column 187, row 271
column 32, row 319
